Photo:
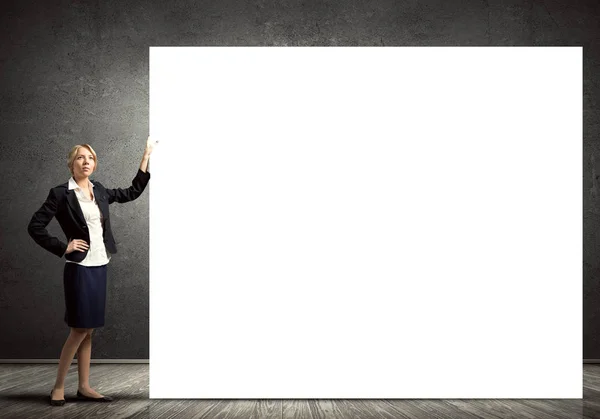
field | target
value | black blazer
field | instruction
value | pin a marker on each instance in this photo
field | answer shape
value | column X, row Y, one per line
column 62, row 203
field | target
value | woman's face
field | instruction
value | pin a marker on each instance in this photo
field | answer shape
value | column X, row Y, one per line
column 84, row 163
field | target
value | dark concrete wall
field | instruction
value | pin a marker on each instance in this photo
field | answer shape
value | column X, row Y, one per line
column 75, row 72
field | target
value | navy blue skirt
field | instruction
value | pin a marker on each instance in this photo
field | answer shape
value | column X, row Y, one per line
column 85, row 295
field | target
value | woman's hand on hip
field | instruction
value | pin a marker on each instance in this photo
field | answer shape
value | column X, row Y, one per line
column 77, row 244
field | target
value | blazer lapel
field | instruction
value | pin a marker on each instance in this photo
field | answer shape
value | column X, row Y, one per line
column 100, row 199
column 74, row 204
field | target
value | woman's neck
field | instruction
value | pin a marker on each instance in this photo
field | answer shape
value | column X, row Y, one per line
column 83, row 182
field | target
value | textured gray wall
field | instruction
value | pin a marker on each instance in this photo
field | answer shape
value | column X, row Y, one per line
column 74, row 73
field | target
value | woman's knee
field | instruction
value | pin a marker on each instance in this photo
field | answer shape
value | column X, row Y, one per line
column 81, row 332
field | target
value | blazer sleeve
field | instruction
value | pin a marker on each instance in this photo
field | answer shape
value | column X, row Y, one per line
column 138, row 184
column 37, row 227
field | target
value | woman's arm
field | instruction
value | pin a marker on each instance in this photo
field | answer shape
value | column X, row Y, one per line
column 37, row 227
column 145, row 161
column 139, row 182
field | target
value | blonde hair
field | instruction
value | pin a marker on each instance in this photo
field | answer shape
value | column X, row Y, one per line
column 73, row 153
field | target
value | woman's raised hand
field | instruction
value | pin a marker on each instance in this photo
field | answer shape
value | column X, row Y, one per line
column 77, row 244
column 150, row 144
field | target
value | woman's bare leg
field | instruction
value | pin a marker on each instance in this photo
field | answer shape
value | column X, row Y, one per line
column 66, row 357
column 84, row 357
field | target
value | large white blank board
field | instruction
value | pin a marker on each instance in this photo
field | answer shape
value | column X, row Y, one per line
column 366, row 222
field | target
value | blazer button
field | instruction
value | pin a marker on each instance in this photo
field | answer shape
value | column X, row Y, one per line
column 84, row 227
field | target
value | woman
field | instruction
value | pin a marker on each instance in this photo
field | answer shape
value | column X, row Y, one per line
column 81, row 208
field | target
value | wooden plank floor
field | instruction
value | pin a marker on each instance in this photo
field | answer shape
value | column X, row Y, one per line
column 24, row 391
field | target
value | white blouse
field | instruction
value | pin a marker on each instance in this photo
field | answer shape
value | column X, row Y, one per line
column 97, row 253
